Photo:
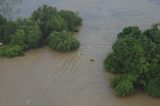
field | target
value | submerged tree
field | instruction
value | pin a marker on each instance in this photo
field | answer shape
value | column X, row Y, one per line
column 137, row 56
column 45, row 26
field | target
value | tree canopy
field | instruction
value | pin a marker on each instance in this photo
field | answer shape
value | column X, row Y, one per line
column 136, row 57
column 46, row 25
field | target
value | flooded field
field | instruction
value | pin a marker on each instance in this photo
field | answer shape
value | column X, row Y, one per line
column 44, row 77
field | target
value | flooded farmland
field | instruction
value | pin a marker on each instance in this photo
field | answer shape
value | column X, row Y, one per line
column 44, row 77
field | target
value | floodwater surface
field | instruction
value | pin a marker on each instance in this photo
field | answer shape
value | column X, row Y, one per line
column 44, row 77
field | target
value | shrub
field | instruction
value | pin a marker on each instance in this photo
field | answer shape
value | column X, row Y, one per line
column 72, row 19
column 153, row 87
column 50, row 19
column 112, row 64
column 33, row 37
column 58, row 24
column 32, row 34
column 63, row 42
column 123, row 85
column 124, row 88
column 19, row 38
column 11, row 51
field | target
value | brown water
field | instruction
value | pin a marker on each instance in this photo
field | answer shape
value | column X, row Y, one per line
column 44, row 77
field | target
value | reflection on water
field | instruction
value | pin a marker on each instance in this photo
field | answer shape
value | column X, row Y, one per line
column 44, row 77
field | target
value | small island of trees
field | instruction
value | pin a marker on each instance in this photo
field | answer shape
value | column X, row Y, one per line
column 46, row 25
column 136, row 58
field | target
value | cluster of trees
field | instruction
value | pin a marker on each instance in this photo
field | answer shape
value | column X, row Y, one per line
column 46, row 25
column 136, row 57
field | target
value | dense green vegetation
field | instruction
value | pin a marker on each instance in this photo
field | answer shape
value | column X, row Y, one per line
column 62, row 42
column 11, row 51
column 23, row 36
column 50, row 19
column 136, row 57
column 46, row 25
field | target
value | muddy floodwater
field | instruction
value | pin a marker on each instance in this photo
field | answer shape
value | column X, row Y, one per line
column 44, row 77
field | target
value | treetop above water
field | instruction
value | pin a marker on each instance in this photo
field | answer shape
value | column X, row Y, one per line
column 136, row 56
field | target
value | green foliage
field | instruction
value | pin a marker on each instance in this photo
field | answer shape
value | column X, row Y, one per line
column 153, row 87
column 136, row 55
column 6, row 29
column 131, row 31
column 18, row 38
column 112, row 64
column 24, row 34
column 123, row 85
column 33, row 37
column 11, row 51
column 63, row 42
column 129, row 47
column 153, row 33
column 44, row 17
column 58, row 24
column 125, row 50
column 50, row 19
column 72, row 19
column 33, row 34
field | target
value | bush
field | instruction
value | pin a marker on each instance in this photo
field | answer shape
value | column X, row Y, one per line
column 11, row 51
column 63, row 42
column 112, row 64
column 33, row 38
column 29, row 33
column 122, row 86
column 153, row 87
column 72, row 19
column 33, row 34
column 50, row 19
column 19, row 38
column 58, row 24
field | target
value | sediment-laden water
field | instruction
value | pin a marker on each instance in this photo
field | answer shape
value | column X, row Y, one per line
column 44, row 77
